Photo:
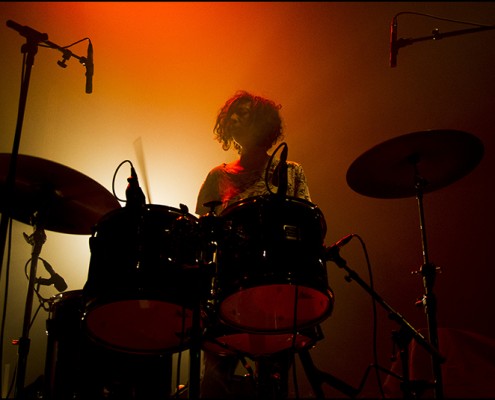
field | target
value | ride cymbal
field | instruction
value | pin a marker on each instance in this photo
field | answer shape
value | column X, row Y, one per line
column 436, row 158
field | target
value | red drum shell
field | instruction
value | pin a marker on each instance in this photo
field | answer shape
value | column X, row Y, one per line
column 143, row 279
column 271, row 274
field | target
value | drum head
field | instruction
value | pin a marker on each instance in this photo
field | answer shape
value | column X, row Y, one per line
column 276, row 308
column 140, row 326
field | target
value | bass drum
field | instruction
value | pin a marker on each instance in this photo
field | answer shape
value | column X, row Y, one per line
column 271, row 274
column 143, row 279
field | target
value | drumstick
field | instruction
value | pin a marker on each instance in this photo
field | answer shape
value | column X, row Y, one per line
column 138, row 147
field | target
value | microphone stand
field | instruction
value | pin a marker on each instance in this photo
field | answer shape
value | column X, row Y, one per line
column 30, row 48
column 407, row 331
column 436, row 35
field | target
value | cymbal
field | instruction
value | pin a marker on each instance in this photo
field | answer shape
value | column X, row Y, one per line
column 437, row 157
column 64, row 199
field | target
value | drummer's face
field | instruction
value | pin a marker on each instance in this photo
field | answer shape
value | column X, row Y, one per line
column 240, row 115
column 241, row 125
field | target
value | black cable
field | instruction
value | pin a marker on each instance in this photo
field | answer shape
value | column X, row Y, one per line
column 12, row 382
column 115, row 174
column 375, row 319
column 376, row 364
column 68, row 46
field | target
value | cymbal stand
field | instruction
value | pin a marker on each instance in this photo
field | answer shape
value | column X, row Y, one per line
column 407, row 330
column 428, row 271
column 36, row 239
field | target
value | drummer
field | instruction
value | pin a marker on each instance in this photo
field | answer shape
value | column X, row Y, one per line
column 252, row 125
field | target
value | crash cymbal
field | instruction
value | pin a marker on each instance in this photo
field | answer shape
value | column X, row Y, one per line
column 64, row 200
column 439, row 157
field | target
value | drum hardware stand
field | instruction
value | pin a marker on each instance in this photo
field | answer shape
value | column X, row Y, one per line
column 206, row 262
column 407, row 331
column 428, row 272
column 37, row 239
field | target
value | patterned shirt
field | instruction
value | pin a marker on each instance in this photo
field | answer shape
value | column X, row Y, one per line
column 228, row 188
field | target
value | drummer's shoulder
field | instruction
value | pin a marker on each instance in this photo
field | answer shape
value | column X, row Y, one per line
column 217, row 170
column 295, row 165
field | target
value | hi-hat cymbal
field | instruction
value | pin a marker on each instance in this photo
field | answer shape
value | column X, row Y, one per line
column 438, row 157
column 63, row 199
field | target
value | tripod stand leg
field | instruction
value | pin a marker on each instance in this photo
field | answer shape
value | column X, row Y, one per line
column 317, row 377
column 312, row 373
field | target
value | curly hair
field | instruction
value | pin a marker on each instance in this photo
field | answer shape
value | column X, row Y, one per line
column 264, row 115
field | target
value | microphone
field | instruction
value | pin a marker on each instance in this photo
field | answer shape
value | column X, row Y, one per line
column 89, row 69
column 133, row 193
column 282, row 172
column 55, row 278
column 27, row 32
column 333, row 250
column 394, row 49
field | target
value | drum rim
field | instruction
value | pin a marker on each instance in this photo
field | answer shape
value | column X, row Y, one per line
column 145, row 209
column 266, row 198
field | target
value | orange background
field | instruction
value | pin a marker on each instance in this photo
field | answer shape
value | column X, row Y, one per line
column 162, row 71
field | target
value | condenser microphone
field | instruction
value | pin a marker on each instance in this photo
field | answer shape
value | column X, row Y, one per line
column 27, row 32
column 134, row 194
column 282, row 172
column 394, row 49
column 89, row 69
column 333, row 250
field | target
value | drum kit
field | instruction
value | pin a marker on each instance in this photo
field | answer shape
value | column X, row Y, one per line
column 250, row 282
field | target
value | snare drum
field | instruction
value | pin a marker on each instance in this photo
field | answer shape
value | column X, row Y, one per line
column 143, row 279
column 271, row 271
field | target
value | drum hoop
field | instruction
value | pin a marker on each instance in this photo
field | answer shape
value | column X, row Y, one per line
column 146, row 209
column 266, row 198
